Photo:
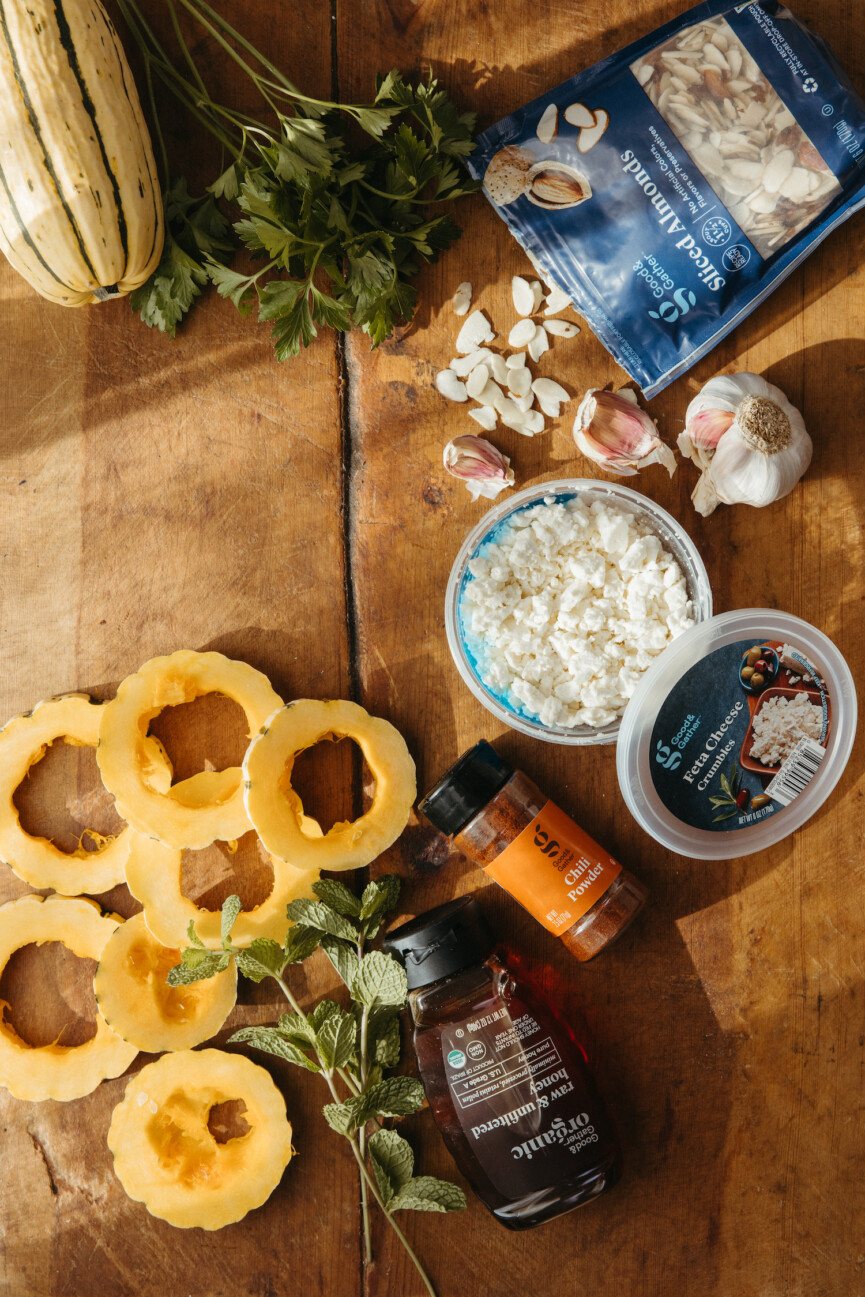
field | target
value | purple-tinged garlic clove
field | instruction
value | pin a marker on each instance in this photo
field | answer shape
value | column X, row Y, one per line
column 477, row 462
column 617, row 434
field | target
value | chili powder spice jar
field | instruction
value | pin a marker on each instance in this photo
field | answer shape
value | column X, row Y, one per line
column 501, row 820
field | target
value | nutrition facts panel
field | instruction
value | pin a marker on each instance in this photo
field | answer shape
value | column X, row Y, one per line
column 486, row 1077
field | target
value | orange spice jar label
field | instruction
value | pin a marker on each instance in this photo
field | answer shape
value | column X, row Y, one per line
column 554, row 869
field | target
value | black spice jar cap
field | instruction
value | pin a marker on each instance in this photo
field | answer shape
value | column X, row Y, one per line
column 466, row 788
column 440, row 942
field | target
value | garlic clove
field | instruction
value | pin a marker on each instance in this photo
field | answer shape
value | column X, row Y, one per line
column 619, row 436
column 477, row 462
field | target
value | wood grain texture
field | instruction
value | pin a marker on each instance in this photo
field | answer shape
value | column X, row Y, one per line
column 158, row 495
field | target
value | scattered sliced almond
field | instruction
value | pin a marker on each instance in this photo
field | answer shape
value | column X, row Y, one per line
column 522, row 332
column 491, row 395
column 556, row 301
column 547, row 389
column 523, row 295
column 462, row 298
column 587, row 139
column 498, row 368
column 548, row 126
column 477, row 380
column 486, row 416
column 516, row 360
column 463, row 365
column 534, row 423
column 519, row 381
column 539, row 344
column 507, row 408
column 524, row 403
column 516, row 421
column 450, row 386
column 476, row 331
column 551, row 409
column 579, row 115
column 561, row 328
column 538, row 290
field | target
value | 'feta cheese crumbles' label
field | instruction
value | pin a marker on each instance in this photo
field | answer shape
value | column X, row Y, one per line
column 567, row 605
column 727, row 752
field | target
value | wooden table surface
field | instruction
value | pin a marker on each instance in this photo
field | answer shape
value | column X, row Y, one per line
column 158, row 495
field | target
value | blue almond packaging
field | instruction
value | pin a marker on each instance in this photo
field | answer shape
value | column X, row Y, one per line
column 668, row 189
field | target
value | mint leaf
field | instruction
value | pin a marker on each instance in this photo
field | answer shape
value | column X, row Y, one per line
column 300, row 943
column 296, row 1029
column 342, row 957
column 392, row 1161
column 193, row 937
column 315, row 914
column 337, row 896
column 211, row 964
column 387, row 1042
column 272, row 1041
column 336, row 1040
column 323, row 1010
column 379, row 896
column 397, row 1096
column 379, row 980
column 341, row 1116
column 262, row 958
column 426, row 1193
column 230, row 909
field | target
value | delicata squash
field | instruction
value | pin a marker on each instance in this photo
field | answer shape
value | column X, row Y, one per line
column 57, row 1071
column 139, row 1005
column 80, row 208
column 276, row 811
column 165, row 1155
column 24, row 741
column 209, row 806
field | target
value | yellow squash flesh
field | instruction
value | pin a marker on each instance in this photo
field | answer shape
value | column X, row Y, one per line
column 57, row 1071
column 165, row 1155
column 209, row 806
column 80, row 208
column 275, row 810
column 139, row 1005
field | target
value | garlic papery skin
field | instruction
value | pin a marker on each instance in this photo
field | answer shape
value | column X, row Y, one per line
column 761, row 454
column 477, row 462
column 612, row 430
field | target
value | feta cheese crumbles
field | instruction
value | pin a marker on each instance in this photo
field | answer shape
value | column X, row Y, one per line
column 779, row 725
column 567, row 608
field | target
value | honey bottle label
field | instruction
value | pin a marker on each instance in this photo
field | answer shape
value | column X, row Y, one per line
column 554, row 869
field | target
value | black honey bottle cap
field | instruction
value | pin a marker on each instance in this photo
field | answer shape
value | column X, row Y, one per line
column 440, row 942
column 466, row 788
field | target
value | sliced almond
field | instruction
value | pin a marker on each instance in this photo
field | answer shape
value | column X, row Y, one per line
column 516, row 360
column 579, row 115
column 506, row 408
column 463, row 365
column 537, row 289
column 561, row 328
column 498, row 368
column 534, row 423
column 588, row 138
column 462, row 298
column 539, row 344
column 450, row 386
column 550, row 408
column 523, row 332
column 491, row 395
column 556, row 301
column 524, row 298
column 477, row 380
column 549, row 124
column 519, row 381
column 524, row 403
column 547, row 389
column 486, row 416
column 476, row 331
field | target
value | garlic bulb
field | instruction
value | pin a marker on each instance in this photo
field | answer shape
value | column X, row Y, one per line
column 747, row 439
column 477, row 462
column 611, row 429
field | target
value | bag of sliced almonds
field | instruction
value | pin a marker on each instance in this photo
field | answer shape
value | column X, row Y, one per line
column 670, row 188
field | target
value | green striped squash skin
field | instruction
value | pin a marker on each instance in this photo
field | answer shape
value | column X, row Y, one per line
column 80, row 207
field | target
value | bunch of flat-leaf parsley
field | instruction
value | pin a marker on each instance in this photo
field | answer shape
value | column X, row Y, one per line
column 341, row 231
column 352, row 1049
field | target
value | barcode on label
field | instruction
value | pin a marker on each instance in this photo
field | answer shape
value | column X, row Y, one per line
column 797, row 771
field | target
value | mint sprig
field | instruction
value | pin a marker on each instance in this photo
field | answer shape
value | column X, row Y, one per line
column 351, row 1047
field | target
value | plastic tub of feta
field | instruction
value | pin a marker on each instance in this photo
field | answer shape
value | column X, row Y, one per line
column 714, row 768
column 562, row 597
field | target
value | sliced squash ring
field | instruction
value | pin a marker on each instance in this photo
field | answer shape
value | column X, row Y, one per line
column 139, row 1005
column 165, row 1155
column 154, row 877
column 23, row 742
column 57, row 1071
column 174, row 818
column 276, row 811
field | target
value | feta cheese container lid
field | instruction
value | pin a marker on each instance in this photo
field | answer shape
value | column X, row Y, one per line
column 695, row 772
